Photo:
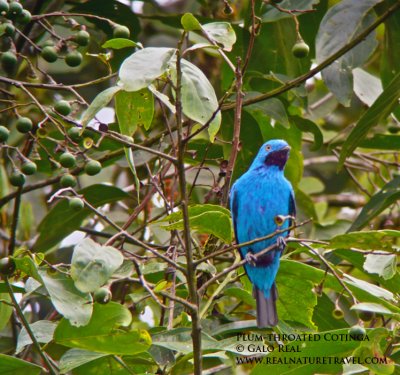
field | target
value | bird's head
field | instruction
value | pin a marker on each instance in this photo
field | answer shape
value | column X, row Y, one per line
column 273, row 153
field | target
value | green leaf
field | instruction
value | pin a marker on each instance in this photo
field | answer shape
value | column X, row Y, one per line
column 74, row 358
column 371, row 307
column 67, row 299
column 5, row 310
column 114, row 11
column 389, row 194
column 382, row 142
column 381, row 108
column 307, row 126
column 132, row 167
column 317, row 348
column 371, row 289
column 375, row 348
column 272, row 107
column 162, row 98
column 357, row 259
column 272, row 62
column 199, row 101
column 63, row 220
column 272, row 14
column 366, row 86
column 382, row 264
column 367, row 240
column 43, row 331
column 222, row 33
column 134, row 109
column 26, row 221
column 16, row 289
column 322, row 316
column 190, row 22
column 311, row 185
column 363, row 291
column 205, row 218
column 179, row 339
column 351, row 18
column 15, row 366
column 99, row 102
column 391, row 54
column 27, row 265
column 119, row 43
column 92, row 265
column 241, row 295
column 144, row 66
column 103, row 333
column 108, row 365
column 290, row 307
column 251, row 139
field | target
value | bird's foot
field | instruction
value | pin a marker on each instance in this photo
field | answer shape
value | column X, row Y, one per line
column 281, row 243
column 251, row 259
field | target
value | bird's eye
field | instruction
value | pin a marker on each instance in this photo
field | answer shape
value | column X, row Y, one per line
column 267, row 148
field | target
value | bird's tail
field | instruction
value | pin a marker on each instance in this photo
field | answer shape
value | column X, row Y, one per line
column 266, row 307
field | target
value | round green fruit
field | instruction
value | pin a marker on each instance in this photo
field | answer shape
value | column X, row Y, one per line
column 9, row 29
column 4, row 7
column 29, row 168
column 102, row 295
column 366, row 316
column 49, row 53
column 82, row 38
column 4, row 133
column 300, row 50
column 74, row 133
column 25, row 17
column 24, row 125
column 76, row 204
column 68, row 180
column 357, row 332
column 15, row 8
column 67, row 160
column 8, row 61
column 63, row 107
column 121, row 31
column 73, row 58
column 7, row 266
column 17, row 179
column 92, row 167
column 48, row 43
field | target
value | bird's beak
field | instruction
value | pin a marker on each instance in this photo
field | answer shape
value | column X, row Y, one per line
column 286, row 148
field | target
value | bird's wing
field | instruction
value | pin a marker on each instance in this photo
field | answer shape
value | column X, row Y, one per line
column 292, row 206
column 234, row 211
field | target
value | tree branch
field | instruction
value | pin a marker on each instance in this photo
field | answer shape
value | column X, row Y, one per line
column 191, row 270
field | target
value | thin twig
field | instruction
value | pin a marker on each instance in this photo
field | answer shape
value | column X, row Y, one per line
column 236, row 133
column 326, row 263
column 26, row 325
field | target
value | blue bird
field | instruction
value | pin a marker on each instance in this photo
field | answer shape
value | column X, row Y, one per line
column 262, row 201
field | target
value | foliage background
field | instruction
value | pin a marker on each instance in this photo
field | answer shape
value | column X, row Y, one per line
column 182, row 286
